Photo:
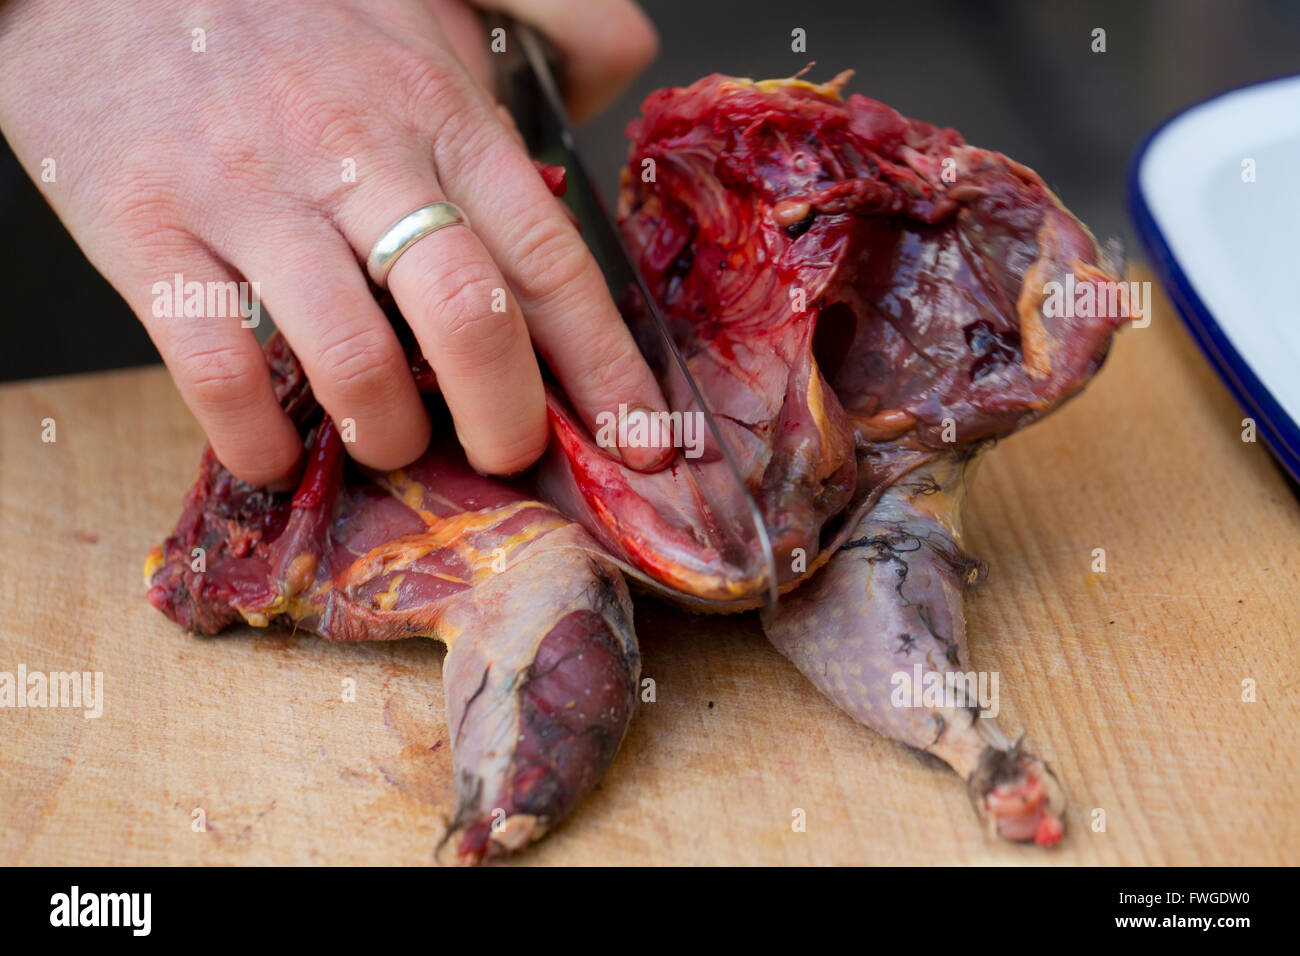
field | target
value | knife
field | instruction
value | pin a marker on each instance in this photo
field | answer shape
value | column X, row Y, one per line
column 528, row 86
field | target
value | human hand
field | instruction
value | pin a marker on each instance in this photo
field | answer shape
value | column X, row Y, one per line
column 217, row 142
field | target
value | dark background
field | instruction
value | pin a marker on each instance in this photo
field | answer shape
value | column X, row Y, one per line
column 1015, row 75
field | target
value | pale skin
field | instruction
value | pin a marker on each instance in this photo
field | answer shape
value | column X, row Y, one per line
column 227, row 164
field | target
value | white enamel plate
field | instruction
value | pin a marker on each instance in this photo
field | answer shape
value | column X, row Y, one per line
column 1215, row 196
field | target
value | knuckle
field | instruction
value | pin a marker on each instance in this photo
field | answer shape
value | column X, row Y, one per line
column 362, row 365
column 434, row 95
column 466, row 134
column 548, row 259
column 231, row 153
column 220, row 379
column 131, row 190
column 453, row 126
column 637, row 44
column 424, row 80
column 612, row 367
column 469, row 325
column 320, row 117
column 142, row 209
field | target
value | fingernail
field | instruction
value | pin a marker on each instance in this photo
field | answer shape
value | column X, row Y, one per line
column 645, row 438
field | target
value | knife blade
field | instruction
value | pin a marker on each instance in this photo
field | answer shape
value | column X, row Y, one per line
column 533, row 97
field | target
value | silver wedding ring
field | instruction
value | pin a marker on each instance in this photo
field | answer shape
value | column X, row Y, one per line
column 406, row 232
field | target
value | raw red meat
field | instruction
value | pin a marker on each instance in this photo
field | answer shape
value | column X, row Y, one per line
column 542, row 664
column 861, row 297
column 837, row 301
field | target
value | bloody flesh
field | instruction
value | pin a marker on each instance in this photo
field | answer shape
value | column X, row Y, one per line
column 861, row 298
column 853, row 291
column 542, row 665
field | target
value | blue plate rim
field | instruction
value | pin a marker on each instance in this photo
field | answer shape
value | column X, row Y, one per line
column 1281, row 433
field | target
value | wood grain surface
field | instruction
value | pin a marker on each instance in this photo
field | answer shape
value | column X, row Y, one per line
column 1129, row 683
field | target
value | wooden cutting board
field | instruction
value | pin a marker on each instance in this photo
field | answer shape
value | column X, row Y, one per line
column 1129, row 682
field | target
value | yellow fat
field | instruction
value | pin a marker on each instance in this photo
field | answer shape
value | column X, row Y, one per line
column 152, row 562
column 388, row 599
